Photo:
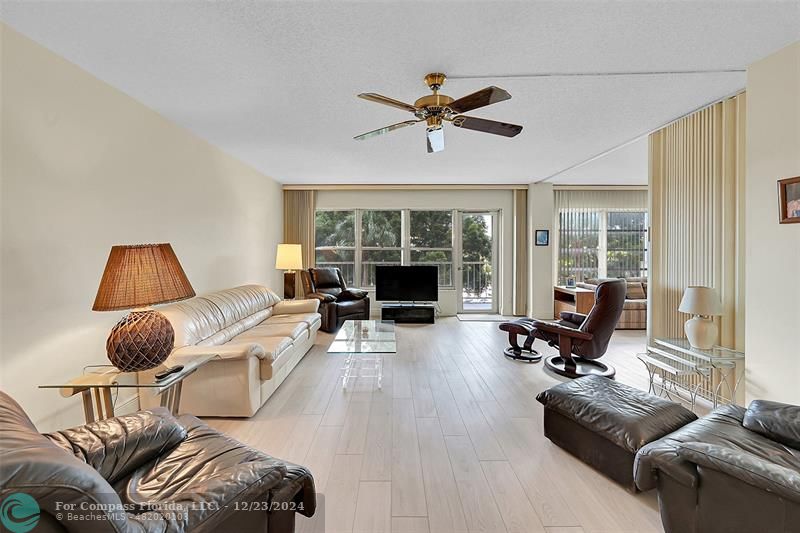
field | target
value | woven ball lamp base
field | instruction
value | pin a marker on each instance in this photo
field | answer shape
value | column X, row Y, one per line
column 140, row 341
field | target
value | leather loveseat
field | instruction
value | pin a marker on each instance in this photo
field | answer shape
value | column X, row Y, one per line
column 735, row 470
column 259, row 339
column 144, row 472
column 337, row 302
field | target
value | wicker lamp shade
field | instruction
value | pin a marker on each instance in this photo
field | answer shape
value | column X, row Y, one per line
column 138, row 276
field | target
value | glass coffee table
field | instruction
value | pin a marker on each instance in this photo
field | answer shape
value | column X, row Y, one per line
column 364, row 342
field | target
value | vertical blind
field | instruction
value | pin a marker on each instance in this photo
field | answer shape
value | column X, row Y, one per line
column 600, row 233
column 697, row 186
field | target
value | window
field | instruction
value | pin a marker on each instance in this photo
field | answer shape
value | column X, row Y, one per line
column 381, row 242
column 601, row 244
column 431, row 239
column 626, row 244
column 578, row 245
column 356, row 241
column 336, row 242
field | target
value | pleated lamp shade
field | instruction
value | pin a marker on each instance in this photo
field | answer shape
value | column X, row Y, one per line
column 141, row 275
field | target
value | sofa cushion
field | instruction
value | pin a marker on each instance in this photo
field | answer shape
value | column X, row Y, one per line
column 193, row 320
column 116, row 446
column 206, row 472
column 273, row 347
column 351, row 308
column 293, row 330
column 218, row 317
column 745, row 466
column 311, row 319
column 634, row 305
column 239, row 303
column 777, row 421
column 635, row 291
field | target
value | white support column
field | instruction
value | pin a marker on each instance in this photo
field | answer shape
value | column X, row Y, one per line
column 540, row 259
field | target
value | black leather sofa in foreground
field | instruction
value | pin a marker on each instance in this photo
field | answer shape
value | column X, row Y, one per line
column 735, row 470
column 147, row 472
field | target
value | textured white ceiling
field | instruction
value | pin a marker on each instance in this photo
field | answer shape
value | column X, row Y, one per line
column 274, row 83
column 627, row 165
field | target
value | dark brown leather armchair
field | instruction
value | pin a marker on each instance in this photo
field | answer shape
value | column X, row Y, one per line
column 735, row 470
column 337, row 302
column 581, row 339
column 148, row 472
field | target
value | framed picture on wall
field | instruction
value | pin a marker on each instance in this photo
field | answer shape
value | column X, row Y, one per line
column 789, row 200
column 542, row 237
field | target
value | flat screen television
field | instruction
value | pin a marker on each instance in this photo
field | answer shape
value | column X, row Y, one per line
column 407, row 283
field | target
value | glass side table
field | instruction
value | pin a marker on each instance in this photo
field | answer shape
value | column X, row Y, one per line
column 713, row 374
column 97, row 382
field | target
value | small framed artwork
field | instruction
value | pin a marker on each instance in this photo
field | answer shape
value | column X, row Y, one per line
column 789, row 200
column 542, row 237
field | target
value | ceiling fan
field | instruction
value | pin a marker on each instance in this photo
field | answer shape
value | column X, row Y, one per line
column 435, row 109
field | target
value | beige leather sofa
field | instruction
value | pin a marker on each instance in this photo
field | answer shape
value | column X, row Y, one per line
column 259, row 339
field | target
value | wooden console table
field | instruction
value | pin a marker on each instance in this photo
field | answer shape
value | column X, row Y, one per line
column 572, row 299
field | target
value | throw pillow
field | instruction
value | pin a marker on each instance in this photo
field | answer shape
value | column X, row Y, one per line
column 776, row 421
column 635, row 291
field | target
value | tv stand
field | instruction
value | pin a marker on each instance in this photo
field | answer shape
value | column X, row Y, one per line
column 408, row 313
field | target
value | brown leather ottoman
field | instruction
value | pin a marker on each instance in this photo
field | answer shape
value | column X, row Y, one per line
column 604, row 423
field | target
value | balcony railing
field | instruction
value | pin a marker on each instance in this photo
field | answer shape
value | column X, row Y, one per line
column 476, row 276
column 477, row 279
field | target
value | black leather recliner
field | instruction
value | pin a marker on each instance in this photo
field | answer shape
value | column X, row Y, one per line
column 337, row 302
column 147, row 472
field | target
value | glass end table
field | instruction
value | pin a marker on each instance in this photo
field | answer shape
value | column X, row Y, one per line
column 97, row 382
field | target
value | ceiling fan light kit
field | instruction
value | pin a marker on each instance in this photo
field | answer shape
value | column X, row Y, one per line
column 435, row 109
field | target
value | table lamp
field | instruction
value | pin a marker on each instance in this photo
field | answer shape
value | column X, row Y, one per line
column 136, row 277
column 703, row 303
column 289, row 258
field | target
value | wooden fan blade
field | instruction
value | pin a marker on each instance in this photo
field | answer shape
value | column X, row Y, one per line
column 488, row 96
column 385, row 100
column 387, row 129
column 487, row 126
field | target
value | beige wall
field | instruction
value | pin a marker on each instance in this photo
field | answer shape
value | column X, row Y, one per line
column 439, row 199
column 772, row 265
column 85, row 167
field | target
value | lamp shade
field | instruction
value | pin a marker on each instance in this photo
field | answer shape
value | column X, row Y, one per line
column 141, row 275
column 290, row 257
column 700, row 301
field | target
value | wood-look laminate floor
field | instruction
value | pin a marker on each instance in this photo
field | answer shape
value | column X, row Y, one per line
column 452, row 443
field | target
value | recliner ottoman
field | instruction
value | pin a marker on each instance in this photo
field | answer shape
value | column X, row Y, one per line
column 604, row 423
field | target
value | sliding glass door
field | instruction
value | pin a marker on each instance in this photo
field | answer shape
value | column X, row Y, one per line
column 476, row 262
